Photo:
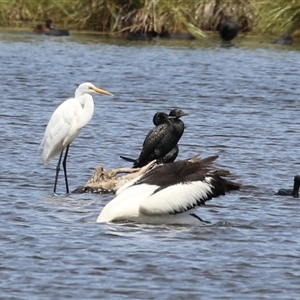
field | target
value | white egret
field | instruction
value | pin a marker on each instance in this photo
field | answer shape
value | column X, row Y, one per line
column 66, row 123
column 169, row 193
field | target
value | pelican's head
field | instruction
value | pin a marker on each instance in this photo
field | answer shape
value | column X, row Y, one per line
column 87, row 88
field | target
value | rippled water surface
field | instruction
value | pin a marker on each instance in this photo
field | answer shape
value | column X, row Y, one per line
column 243, row 104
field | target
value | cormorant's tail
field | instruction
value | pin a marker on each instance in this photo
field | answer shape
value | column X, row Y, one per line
column 128, row 158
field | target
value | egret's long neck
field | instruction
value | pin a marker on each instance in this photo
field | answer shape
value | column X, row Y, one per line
column 79, row 92
column 87, row 104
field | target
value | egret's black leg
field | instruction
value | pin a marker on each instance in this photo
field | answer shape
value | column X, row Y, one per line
column 65, row 168
column 57, row 171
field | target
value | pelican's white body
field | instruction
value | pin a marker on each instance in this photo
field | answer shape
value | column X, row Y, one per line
column 169, row 193
column 139, row 203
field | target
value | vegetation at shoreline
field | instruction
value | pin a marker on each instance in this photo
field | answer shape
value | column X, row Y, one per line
column 279, row 16
column 117, row 16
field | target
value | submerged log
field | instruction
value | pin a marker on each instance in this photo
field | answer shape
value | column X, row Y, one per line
column 109, row 181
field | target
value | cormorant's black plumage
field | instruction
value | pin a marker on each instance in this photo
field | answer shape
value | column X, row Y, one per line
column 161, row 142
column 291, row 192
column 56, row 32
column 48, row 29
column 228, row 31
column 285, row 39
column 158, row 142
column 178, row 125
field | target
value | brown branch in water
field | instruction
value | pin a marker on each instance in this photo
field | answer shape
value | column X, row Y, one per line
column 108, row 182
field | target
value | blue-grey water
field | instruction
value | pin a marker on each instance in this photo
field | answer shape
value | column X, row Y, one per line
column 243, row 105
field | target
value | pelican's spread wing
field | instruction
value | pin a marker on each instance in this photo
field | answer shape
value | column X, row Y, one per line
column 127, row 185
column 177, row 198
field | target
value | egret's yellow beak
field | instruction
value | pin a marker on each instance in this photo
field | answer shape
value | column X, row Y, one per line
column 103, row 92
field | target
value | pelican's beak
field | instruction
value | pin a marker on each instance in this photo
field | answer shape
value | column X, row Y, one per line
column 103, row 92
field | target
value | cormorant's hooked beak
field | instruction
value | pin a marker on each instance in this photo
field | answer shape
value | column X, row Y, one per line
column 177, row 113
column 183, row 114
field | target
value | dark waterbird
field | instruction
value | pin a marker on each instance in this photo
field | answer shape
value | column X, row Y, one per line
column 161, row 142
column 165, row 34
column 228, row 31
column 155, row 142
column 48, row 29
column 158, row 119
column 178, row 125
column 43, row 28
column 158, row 138
column 291, row 192
column 169, row 193
column 285, row 39
column 141, row 36
column 178, row 129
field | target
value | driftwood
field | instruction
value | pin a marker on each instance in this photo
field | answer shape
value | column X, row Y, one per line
column 107, row 181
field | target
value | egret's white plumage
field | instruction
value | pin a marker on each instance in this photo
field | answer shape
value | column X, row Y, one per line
column 169, row 193
column 66, row 123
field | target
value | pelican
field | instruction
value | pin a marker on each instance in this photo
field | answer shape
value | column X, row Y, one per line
column 169, row 193
column 66, row 123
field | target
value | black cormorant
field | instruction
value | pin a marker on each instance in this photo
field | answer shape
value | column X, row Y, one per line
column 161, row 142
column 291, row 192
column 228, row 31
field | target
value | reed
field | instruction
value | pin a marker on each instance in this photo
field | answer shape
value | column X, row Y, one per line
column 180, row 15
column 212, row 13
column 115, row 16
column 279, row 16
